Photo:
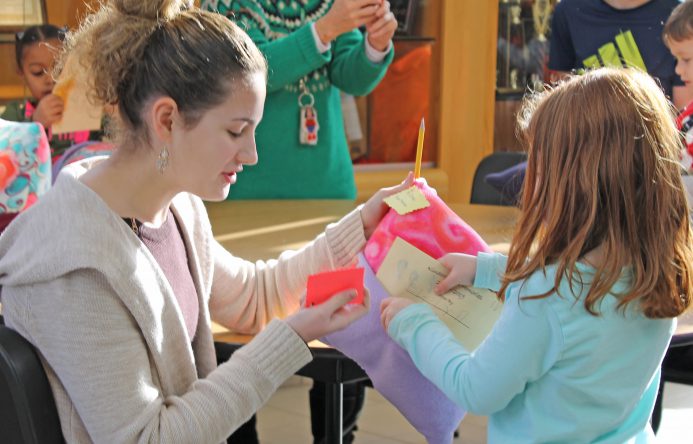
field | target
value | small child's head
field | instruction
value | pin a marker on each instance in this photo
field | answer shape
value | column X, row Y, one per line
column 603, row 172
column 36, row 49
column 678, row 36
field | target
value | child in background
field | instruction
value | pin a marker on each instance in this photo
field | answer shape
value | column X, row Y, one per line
column 678, row 36
column 36, row 50
column 599, row 267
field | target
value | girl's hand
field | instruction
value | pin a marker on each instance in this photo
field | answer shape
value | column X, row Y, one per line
column 375, row 209
column 343, row 16
column 462, row 271
column 382, row 27
column 389, row 308
column 49, row 110
column 332, row 315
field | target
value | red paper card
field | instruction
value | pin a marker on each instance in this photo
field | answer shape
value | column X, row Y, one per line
column 323, row 286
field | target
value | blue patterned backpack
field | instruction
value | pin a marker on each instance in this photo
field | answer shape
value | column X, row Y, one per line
column 25, row 167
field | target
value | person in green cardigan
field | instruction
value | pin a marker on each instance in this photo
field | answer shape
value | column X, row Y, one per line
column 315, row 50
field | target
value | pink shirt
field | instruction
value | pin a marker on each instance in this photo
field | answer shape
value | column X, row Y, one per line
column 167, row 246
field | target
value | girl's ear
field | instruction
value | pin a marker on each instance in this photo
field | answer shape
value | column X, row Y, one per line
column 162, row 114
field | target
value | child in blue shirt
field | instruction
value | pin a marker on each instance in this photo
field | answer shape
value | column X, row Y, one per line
column 599, row 267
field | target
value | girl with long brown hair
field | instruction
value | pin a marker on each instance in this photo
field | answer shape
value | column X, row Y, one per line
column 599, row 267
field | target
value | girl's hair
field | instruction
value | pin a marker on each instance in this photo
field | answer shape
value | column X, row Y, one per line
column 136, row 50
column 679, row 25
column 33, row 35
column 603, row 171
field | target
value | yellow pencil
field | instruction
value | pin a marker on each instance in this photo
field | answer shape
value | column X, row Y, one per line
column 419, row 150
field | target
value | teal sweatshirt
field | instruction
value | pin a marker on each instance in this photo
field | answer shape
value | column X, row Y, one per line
column 549, row 371
column 286, row 168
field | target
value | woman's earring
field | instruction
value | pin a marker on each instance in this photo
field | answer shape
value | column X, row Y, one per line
column 162, row 160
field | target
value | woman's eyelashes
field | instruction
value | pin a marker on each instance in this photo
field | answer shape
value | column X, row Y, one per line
column 238, row 132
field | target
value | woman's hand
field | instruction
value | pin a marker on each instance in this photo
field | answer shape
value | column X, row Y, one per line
column 389, row 308
column 375, row 209
column 49, row 110
column 382, row 27
column 332, row 315
column 345, row 15
column 462, row 271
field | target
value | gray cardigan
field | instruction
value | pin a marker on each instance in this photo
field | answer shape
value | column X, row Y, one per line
column 80, row 286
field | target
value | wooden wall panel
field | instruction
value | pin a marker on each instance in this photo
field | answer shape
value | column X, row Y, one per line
column 468, row 90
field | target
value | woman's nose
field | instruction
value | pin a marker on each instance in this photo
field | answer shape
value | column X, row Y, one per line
column 252, row 156
column 248, row 154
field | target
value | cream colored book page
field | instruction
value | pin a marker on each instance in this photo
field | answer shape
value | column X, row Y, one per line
column 469, row 312
column 78, row 113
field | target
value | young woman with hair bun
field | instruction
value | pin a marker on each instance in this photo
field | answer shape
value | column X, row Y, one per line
column 119, row 301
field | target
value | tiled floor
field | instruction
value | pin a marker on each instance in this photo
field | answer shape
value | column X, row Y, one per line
column 677, row 417
column 286, row 419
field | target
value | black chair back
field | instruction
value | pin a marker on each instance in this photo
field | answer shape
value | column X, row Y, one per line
column 27, row 409
column 484, row 193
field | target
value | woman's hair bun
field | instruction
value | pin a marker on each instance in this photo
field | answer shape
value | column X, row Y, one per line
column 110, row 41
column 156, row 10
column 133, row 50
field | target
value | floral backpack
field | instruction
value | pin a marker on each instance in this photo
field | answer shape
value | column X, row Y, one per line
column 25, row 167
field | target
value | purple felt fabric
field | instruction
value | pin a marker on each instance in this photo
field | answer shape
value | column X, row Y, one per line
column 392, row 371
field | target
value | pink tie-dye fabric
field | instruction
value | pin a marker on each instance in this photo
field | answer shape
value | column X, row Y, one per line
column 435, row 230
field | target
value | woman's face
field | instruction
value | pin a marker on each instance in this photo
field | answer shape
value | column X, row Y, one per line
column 38, row 60
column 205, row 159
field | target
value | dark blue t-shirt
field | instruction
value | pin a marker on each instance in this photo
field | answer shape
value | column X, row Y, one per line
column 590, row 33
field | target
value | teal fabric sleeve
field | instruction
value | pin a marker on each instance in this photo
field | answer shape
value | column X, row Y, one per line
column 489, row 269
column 296, row 54
column 349, row 57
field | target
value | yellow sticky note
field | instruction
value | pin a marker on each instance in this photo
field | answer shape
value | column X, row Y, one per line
column 406, row 201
